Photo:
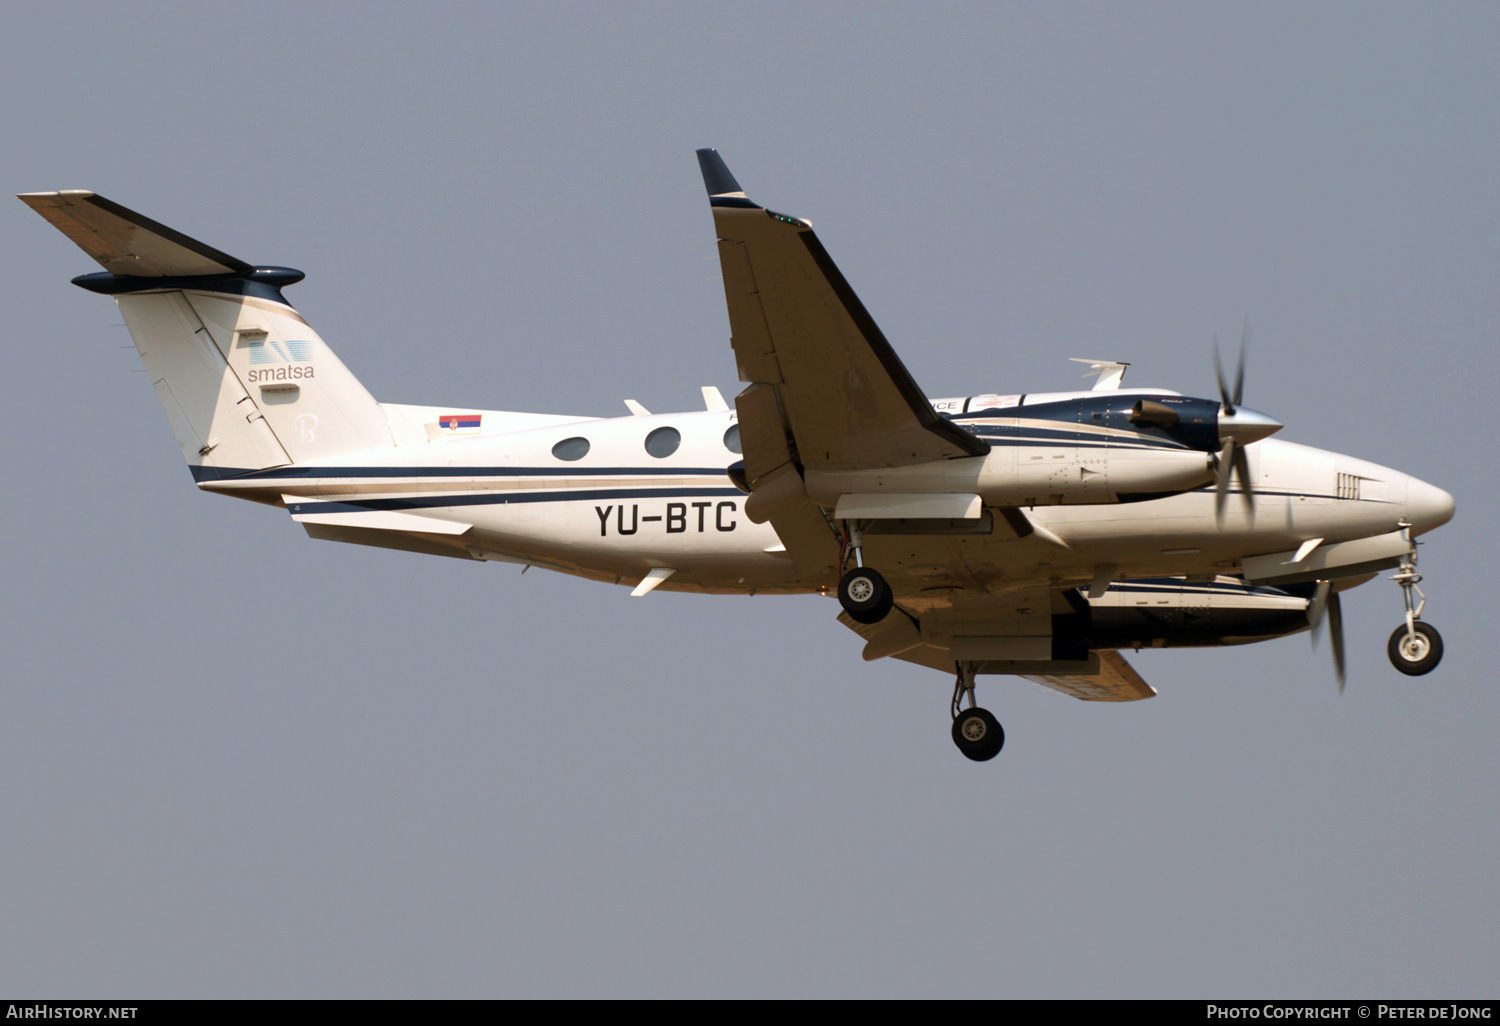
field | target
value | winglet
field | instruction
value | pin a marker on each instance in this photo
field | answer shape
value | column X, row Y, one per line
column 723, row 190
column 716, row 177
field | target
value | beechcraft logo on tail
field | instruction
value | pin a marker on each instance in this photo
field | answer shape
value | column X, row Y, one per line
column 279, row 361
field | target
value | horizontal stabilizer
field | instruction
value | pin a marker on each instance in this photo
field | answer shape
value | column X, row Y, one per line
column 127, row 243
column 398, row 541
column 343, row 514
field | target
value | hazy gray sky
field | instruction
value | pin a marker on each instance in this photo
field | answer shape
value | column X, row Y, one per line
column 237, row 762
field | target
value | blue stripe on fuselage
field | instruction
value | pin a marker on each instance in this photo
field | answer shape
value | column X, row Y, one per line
column 506, row 498
column 303, row 473
column 1029, row 435
column 278, row 473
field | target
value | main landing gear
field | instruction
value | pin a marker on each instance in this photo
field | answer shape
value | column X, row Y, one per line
column 976, row 731
column 867, row 598
column 863, row 592
column 1415, row 647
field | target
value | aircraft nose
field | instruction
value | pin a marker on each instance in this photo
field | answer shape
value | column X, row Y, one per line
column 1427, row 506
column 1245, row 425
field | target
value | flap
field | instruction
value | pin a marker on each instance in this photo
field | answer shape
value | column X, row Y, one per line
column 809, row 541
column 1116, row 681
column 908, row 505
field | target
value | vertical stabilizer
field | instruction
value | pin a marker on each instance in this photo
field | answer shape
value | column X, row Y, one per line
column 244, row 381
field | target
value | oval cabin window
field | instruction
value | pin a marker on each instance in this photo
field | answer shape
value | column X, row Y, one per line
column 663, row 442
column 571, row 449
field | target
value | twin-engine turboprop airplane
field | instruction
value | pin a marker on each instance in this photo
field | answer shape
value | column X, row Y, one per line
column 1028, row 534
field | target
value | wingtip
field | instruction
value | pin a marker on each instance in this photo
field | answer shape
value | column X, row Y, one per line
column 54, row 193
column 717, row 178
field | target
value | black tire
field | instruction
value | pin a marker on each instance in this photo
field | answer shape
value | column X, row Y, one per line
column 1420, row 656
column 978, row 734
column 865, row 596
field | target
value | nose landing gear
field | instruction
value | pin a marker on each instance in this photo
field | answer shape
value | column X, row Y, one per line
column 976, row 731
column 1415, row 647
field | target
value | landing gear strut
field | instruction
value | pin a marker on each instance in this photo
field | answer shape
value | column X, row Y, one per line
column 976, row 731
column 1415, row 647
column 863, row 592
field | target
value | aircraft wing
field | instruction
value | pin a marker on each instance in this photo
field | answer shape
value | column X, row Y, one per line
column 125, row 242
column 839, row 395
column 1116, row 681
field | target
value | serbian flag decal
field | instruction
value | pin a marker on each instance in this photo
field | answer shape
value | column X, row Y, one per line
column 460, row 423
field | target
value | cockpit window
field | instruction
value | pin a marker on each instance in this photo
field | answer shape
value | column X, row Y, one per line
column 571, row 449
column 663, row 442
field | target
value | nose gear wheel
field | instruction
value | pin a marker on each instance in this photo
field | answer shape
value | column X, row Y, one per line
column 1415, row 647
column 1415, row 650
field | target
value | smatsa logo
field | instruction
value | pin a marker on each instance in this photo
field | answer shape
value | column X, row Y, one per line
column 278, row 361
column 281, row 374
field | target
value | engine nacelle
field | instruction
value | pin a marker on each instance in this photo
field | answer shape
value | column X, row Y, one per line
column 1082, row 449
column 1086, row 450
column 1029, row 476
column 1175, row 613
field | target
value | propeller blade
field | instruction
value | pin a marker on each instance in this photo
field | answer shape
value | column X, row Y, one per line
column 1221, row 480
column 1239, row 375
column 1233, row 461
column 1242, row 472
column 1223, row 386
column 1317, row 607
column 1336, row 635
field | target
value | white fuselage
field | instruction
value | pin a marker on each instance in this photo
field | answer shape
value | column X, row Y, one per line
column 617, row 511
